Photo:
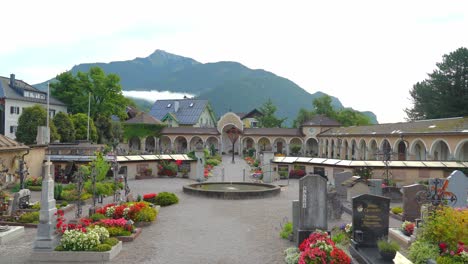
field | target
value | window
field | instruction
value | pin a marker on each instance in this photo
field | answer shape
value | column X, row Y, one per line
column 51, row 113
column 14, row 110
column 254, row 124
column 42, row 96
column 13, row 129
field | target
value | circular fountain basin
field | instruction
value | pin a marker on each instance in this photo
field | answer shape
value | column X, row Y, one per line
column 234, row 190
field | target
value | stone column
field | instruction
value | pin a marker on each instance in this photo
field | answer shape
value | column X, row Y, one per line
column 288, row 151
column 200, row 154
column 142, row 145
column 46, row 238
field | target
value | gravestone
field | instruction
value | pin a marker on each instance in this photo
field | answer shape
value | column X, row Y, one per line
column 20, row 200
column 339, row 179
column 375, row 186
column 46, row 238
column 394, row 193
column 295, row 217
column 370, row 219
column 334, row 206
column 200, row 156
column 266, row 163
column 312, row 206
column 411, row 207
column 458, row 185
column 357, row 188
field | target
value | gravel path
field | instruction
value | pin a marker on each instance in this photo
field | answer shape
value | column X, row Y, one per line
column 200, row 230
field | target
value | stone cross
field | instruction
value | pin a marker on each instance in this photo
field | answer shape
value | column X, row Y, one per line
column 411, row 207
column 200, row 156
column 312, row 205
column 458, row 185
column 46, row 238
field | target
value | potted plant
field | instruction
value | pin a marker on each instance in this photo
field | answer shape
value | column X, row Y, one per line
column 387, row 249
column 407, row 228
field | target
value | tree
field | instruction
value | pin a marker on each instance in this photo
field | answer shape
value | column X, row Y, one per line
column 322, row 106
column 445, row 92
column 65, row 127
column 302, row 116
column 29, row 120
column 104, row 129
column 268, row 119
column 105, row 91
column 80, row 121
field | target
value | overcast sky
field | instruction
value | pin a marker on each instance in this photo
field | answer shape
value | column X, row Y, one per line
column 366, row 53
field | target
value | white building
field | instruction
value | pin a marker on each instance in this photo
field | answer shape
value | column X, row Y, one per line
column 15, row 95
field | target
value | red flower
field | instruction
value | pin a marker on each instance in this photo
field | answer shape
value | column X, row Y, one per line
column 149, row 196
column 442, row 247
column 178, row 162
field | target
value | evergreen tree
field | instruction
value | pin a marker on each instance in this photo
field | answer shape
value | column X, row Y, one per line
column 268, row 119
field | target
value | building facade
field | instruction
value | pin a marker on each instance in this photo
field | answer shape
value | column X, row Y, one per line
column 184, row 113
column 15, row 95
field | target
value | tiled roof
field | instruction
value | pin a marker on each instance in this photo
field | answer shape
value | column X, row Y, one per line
column 293, row 132
column 252, row 114
column 188, row 113
column 189, row 131
column 8, row 92
column 431, row 126
column 321, row 120
column 143, row 118
column 7, row 144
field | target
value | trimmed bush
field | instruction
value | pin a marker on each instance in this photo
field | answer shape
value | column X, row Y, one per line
column 29, row 217
column 102, row 248
column 397, row 210
column 166, row 198
column 97, row 217
column 147, row 214
column 118, row 231
column 111, row 241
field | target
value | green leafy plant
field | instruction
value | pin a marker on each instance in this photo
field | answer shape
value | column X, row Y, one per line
column 212, row 162
column 420, row 251
column 29, row 217
column 111, row 241
column 388, row 246
column 397, row 210
column 147, row 214
column 118, row 231
column 287, row 230
column 36, row 206
column 166, row 198
column 58, row 189
column 97, row 217
column 102, row 248
column 292, row 255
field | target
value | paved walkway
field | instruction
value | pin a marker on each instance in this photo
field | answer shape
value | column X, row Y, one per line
column 200, row 230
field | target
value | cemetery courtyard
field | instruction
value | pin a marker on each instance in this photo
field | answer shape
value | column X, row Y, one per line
column 198, row 229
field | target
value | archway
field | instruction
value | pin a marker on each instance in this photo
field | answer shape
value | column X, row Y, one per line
column 461, row 151
column 212, row 143
column 295, row 146
column 333, row 149
column 165, row 145
column 279, row 146
column 353, row 149
column 440, row 150
column 419, row 150
column 401, row 147
column 264, row 144
column 386, row 150
column 134, row 144
column 326, row 148
column 194, row 141
column 150, row 144
column 345, row 149
column 180, row 144
column 362, row 149
column 373, row 149
column 312, row 147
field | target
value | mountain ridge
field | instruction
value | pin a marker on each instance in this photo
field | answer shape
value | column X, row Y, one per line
column 226, row 84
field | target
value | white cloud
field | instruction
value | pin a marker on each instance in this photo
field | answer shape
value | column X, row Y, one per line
column 367, row 53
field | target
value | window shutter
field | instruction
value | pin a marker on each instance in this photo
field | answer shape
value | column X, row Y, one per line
column 12, row 109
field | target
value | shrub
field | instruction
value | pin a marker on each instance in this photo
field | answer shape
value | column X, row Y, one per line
column 166, row 198
column 117, row 231
column 287, row 230
column 36, row 206
column 69, row 187
column 421, row 251
column 256, row 163
column 297, row 173
column 138, row 199
column 29, row 217
column 59, row 248
column 397, row 210
column 58, row 189
column 35, row 188
column 166, row 168
column 111, row 241
column 102, row 248
column 212, row 162
column 96, row 217
column 63, row 204
column 446, row 225
column 341, row 238
column 387, row 246
column 147, row 214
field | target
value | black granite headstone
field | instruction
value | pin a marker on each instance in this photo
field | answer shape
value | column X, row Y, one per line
column 370, row 219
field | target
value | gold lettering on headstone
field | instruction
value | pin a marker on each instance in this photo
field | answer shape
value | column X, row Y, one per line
column 372, row 216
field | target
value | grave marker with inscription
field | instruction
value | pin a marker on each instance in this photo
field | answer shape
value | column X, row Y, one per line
column 370, row 219
column 411, row 207
column 313, row 205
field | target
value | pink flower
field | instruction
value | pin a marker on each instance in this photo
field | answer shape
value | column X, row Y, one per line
column 452, row 253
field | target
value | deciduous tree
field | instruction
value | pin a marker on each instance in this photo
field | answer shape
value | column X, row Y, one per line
column 80, row 121
column 31, row 118
column 65, row 127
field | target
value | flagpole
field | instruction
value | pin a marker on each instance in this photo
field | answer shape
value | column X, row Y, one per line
column 89, row 110
column 48, row 113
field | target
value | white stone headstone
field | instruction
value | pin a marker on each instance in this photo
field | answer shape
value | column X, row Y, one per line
column 458, row 185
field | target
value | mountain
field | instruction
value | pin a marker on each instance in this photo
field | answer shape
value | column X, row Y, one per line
column 227, row 85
